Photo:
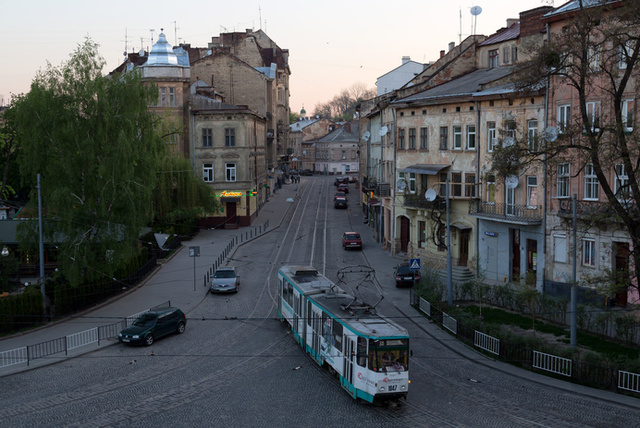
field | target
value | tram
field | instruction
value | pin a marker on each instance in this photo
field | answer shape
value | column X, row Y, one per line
column 366, row 351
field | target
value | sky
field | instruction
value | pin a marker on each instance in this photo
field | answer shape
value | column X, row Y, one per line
column 332, row 44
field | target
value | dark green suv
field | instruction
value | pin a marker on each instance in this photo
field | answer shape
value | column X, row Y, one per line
column 153, row 325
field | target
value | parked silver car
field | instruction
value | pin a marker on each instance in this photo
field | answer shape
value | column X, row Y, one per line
column 225, row 280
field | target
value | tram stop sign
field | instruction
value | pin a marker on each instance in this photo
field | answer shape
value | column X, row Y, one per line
column 414, row 264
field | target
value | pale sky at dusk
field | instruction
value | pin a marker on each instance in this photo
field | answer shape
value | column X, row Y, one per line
column 332, row 44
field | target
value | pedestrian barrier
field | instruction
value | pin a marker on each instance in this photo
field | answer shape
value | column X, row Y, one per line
column 629, row 381
column 450, row 323
column 552, row 363
column 486, row 342
column 26, row 354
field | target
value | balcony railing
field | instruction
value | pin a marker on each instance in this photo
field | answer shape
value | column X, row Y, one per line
column 506, row 212
column 595, row 210
column 418, row 201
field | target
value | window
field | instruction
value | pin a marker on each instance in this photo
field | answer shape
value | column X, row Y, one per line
column 457, row 137
column 532, row 135
column 622, row 182
column 412, row 138
column 590, row 183
column 456, row 184
column 593, row 115
column 422, row 234
column 442, row 238
column 230, row 171
column 491, row 189
column 491, row 136
column 627, row 115
column 424, row 138
column 207, row 137
column 593, row 58
column 172, row 97
column 470, row 185
column 163, row 97
column 207, row 172
column 514, row 54
column 624, row 53
column 564, row 114
column 229, row 137
column 401, row 139
column 589, row 252
column 344, row 155
column 471, row 137
column 505, row 54
column 562, row 185
column 412, row 182
column 532, row 191
column 494, row 58
column 510, row 127
column 280, row 95
column 560, row 248
column 444, row 136
column 442, row 184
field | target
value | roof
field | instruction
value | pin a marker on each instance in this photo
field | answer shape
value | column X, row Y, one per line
column 342, row 135
column 468, row 85
column 574, row 6
column 162, row 53
column 503, row 35
column 425, row 169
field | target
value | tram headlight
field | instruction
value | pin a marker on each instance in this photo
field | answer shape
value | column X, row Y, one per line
column 382, row 389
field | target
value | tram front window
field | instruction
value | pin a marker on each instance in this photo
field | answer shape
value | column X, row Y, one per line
column 389, row 355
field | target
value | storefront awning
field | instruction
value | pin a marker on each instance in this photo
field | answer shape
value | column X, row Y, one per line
column 425, row 169
column 460, row 226
column 374, row 202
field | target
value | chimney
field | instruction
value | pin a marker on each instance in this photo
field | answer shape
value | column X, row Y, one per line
column 511, row 21
column 441, row 54
column 347, row 127
column 451, row 46
column 405, row 59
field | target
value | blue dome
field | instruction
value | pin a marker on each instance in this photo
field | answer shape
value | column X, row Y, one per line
column 162, row 53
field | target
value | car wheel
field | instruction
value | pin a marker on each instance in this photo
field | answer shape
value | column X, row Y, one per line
column 149, row 340
column 181, row 327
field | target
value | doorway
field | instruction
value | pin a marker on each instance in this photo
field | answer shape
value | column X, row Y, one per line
column 464, row 247
column 232, row 218
column 621, row 266
column 404, row 234
column 515, row 254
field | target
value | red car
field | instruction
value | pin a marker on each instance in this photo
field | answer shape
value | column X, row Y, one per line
column 343, row 188
column 339, row 195
column 351, row 240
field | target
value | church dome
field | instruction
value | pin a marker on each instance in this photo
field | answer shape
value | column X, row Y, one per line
column 162, row 52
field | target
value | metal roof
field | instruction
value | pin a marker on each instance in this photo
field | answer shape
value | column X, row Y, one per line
column 162, row 53
column 503, row 35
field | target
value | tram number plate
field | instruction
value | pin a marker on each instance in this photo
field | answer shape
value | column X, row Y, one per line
column 393, row 387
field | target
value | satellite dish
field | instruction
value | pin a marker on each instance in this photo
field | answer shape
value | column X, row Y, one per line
column 508, row 142
column 383, row 131
column 402, row 184
column 511, row 181
column 366, row 136
column 304, row 152
column 550, row 134
column 430, row 195
column 476, row 10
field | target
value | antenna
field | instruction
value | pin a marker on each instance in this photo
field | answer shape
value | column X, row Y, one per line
column 460, row 32
column 175, row 31
column 260, row 14
column 152, row 31
column 475, row 11
column 126, row 41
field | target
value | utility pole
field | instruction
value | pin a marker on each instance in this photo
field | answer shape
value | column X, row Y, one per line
column 41, row 250
column 574, row 291
column 449, row 268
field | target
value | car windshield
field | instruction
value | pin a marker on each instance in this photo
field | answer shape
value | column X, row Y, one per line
column 145, row 321
column 224, row 274
column 404, row 270
column 353, row 236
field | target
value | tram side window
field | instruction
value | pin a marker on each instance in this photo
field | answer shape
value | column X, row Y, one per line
column 362, row 352
column 287, row 294
column 326, row 328
column 309, row 313
column 337, row 335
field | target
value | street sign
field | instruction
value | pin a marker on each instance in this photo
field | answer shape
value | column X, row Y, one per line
column 414, row 264
column 194, row 251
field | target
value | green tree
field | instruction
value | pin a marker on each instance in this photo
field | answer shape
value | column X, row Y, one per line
column 8, row 148
column 95, row 143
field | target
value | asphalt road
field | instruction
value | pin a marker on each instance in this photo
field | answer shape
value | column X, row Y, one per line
column 238, row 365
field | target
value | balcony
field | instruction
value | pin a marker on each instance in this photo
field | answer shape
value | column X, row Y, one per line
column 594, row 210
column 507, row 213
column 418, row 201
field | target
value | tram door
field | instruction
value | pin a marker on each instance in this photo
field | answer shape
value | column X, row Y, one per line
column 349, row 355
column 315, row 341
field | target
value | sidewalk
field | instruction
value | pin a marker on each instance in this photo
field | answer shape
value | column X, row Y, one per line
column 176, row 280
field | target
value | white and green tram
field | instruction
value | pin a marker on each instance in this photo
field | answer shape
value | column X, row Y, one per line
column 367, row 351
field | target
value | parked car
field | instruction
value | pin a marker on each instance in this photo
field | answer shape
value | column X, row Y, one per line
column 225, row 280
column 306, row 172
column 351, row 240
column 341, row 180
column 405, row 275
column 339, row 195
column 340, row 203
column 353, row 179
column 153, row 325
column 343, row 188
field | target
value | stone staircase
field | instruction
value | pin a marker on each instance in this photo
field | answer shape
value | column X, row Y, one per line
column 459, row 274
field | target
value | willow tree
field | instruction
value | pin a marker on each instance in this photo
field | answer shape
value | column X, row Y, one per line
column 95, row 144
